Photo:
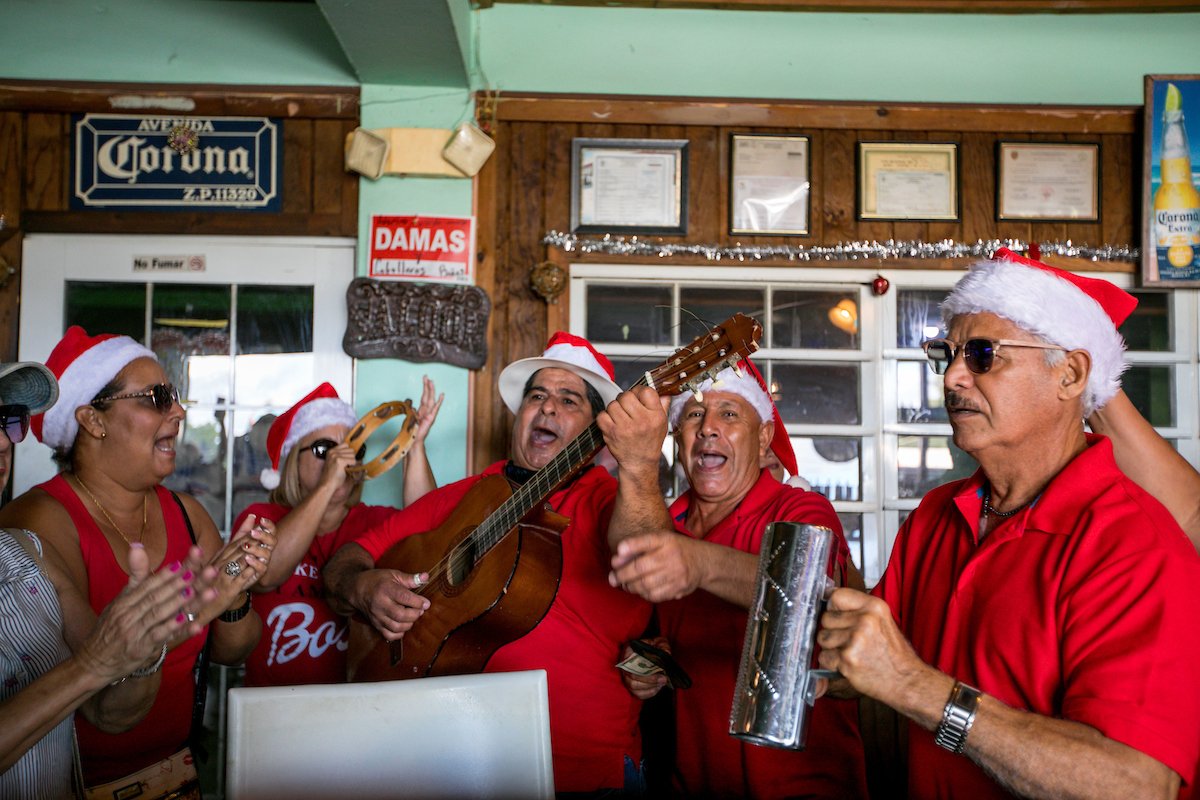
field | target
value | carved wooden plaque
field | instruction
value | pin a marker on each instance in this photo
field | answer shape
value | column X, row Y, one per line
column 417, row 322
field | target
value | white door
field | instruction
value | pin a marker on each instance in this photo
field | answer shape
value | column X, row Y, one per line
column 244, row 326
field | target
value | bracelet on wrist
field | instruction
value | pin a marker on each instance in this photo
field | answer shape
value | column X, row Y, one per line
column 237, row 613
column 957, row 717
column 145, row 672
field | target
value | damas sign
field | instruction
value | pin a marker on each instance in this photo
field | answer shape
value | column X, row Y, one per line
column 171, row 163
column 422, row 248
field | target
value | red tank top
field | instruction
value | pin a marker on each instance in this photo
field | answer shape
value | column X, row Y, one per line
column 164, row 730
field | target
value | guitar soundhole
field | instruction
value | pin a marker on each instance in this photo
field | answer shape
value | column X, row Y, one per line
column 462, row 561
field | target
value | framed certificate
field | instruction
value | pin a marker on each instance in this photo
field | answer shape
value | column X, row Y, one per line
column 629, row 186
column 1048, row 181
column 768, row 186
column 908, row 181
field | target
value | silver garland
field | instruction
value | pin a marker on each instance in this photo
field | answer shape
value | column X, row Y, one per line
column 843, row 251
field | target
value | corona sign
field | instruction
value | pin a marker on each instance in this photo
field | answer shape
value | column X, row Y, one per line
column 172, row 163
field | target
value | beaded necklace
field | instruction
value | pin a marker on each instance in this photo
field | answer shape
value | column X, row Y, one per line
column 989, row 511
column 114, row 525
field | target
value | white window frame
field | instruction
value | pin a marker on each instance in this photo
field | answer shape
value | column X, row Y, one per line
column 325, row 264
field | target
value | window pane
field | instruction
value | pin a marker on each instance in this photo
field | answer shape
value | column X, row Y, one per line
column 275, row 319
column 924, row 462
column 816, row 393
column 852, row 528
column 704, row 308
column 275, row 369
column 107, row 307
column 820, row 320
column 1149, row 326
column 918, row 316
column 191, row 324
column 831, row 464
column 249, row 458
column 1152, row 392
column 629, row 314
column 919, row 395
column 200, row 461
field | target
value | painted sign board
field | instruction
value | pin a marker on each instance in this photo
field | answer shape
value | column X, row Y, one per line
column 156, row 163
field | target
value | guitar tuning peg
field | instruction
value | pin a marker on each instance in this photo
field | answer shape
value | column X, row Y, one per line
column 717, row 384
column 754, row 346
column 699, row 395
column 650, row 380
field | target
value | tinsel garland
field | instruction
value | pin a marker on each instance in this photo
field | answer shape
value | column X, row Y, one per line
column 843, row 251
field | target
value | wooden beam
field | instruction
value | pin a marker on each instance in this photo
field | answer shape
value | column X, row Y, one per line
column 889, row 6
column 173, row 99
column 802, row 114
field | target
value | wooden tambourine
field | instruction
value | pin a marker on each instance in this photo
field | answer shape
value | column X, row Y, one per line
column 395, row 451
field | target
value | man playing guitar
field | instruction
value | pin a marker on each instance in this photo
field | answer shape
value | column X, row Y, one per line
column 593, row 719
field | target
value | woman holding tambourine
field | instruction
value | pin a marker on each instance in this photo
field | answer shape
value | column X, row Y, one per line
column 316, row 486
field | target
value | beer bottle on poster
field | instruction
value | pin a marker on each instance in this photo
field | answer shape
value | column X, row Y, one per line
column 1176, row 203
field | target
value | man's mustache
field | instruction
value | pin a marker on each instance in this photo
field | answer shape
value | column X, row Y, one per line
column 956, row 402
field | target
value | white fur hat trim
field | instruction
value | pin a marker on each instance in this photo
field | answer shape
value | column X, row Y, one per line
column 745, row 386
column 82, row 380
column 1050, row 308
column 314, row 415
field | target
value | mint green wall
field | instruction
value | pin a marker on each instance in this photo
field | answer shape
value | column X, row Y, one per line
column 969, row 58
column 391, row 379
column 170, row 41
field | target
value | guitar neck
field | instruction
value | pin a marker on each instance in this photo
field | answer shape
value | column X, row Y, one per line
column 569, row 461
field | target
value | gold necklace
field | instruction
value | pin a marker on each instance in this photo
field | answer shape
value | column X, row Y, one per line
column 114, row 525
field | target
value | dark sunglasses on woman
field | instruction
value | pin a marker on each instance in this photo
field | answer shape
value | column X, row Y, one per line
column 164, row 395
column 15, row 421
column 321, row 447
column 978, row 354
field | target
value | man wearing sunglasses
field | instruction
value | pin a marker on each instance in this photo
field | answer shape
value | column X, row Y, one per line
column 1037, row 621
column 49, row 664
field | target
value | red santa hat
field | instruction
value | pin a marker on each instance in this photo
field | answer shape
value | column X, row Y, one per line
column 563, row 351
column 1053, row 304
column 751, row 387
column 83, row 366
column 318, row 409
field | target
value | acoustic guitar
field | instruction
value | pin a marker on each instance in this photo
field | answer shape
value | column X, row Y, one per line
column 494, row 565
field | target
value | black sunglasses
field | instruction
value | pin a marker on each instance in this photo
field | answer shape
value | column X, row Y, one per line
column 14, row 419
column 978, row 354
column 321, row 447
column 164, row 395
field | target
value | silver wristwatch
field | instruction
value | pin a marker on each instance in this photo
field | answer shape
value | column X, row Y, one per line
column 958, row 717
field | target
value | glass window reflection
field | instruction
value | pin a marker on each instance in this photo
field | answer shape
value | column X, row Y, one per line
column 1152, row 392
column 820, row 320
column 919, row 393
column 629, row 314
column 831, row 464
column 918, row 316
column 1149, row 326
column 816, row 393
column 924, row 462
column 702, row 308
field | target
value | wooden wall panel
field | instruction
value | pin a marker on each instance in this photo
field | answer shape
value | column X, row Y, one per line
column 524, row 191
column 12, row 135
column 318, row 197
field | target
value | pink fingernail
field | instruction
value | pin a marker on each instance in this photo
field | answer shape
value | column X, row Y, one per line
column 187, row 576
column 182, row 618
column 187, row 591
column 175, row 565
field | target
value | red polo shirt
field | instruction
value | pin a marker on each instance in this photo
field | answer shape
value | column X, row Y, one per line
column 1083, row 606
column 706, row 635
